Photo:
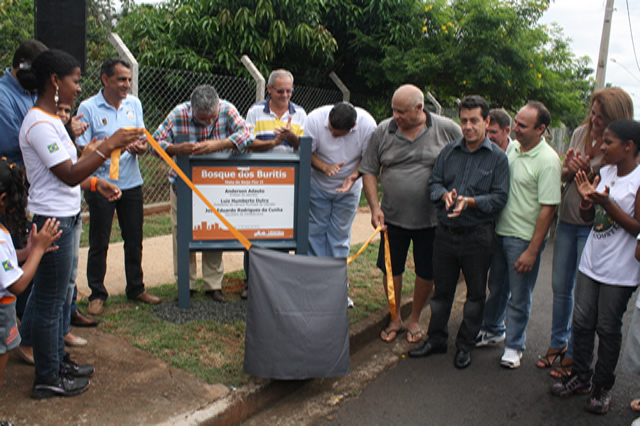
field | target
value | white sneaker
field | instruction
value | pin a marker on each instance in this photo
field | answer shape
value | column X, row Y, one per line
column 349, row 303
column 485, row 339
column 511, row 358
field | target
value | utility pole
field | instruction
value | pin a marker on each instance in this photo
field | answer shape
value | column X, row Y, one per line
column 601, row 71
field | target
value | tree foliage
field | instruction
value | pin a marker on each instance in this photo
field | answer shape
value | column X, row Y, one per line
column 17, row 25
column 212, row 35
column 497, row 49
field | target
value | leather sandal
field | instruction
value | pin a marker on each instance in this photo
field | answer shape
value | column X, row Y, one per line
column 563, row 370
column 551, row 357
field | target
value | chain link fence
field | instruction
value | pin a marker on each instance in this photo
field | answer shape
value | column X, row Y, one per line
column 160, row 90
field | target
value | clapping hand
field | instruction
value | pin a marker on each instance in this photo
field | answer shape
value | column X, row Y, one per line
column 587, row 190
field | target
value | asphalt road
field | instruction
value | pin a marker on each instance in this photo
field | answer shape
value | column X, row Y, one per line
column 431, row 391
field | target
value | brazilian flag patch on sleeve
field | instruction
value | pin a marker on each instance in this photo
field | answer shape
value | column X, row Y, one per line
column 7, row 266
column 53, row 148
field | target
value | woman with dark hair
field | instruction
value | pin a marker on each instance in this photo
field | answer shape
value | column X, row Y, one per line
column 608, row 273
column 607, row 105
column 56, row 175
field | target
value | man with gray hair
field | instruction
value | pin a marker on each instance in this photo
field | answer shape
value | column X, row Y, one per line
column 499, row 128
column 203, row 125
column 277, row 123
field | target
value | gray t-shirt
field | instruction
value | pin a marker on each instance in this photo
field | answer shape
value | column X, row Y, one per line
column 405, row 167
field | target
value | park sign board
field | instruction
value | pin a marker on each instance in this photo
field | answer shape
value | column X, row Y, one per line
column 263, row 195
column 256, row 200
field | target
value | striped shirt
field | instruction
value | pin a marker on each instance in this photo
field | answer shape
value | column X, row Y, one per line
column 263, row 122
column 482, row 174
column 180, row 126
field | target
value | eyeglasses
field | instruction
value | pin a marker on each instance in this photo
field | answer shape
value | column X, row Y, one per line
column 281, row 91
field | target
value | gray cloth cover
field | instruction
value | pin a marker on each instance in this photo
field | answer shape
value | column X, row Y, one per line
column 297, row 320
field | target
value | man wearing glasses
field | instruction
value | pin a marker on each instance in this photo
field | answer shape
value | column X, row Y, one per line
column 203, row 125
column 277, row 123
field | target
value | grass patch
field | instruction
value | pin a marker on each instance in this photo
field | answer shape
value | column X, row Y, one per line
column 363, row 200
column 214, row 351
column 153, row 226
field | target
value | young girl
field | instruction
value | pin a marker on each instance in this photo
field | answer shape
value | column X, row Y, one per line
column 608, row 273
column 56, row 174
column 13, row 279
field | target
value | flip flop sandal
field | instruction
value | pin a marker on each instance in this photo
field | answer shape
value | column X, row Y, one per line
column 391, row 334
column 635, row 404
column 551, row 357
column 414, row 337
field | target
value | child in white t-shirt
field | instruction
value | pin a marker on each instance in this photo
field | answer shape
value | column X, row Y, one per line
column 13, row 279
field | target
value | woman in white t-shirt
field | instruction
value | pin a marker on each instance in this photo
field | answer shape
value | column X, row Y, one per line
column 608, row 273
column 56, row 176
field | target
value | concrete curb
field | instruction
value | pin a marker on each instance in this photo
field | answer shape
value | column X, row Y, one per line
column 251, row 399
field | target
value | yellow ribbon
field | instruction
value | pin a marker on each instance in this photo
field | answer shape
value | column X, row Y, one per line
column 243, row 240
column 391, row 294
column 114, row 168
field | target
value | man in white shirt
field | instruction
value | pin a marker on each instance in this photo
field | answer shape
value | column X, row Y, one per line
column 340, row 136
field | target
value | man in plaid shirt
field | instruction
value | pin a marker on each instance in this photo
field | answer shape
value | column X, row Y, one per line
column 204, row 125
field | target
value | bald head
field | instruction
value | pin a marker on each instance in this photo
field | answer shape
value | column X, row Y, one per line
column 410, row 95
column 407, row 105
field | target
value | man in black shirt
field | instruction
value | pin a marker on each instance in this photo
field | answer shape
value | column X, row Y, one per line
column 469, row 186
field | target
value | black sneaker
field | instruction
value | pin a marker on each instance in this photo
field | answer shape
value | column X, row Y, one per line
column 570, row 386
column 599, row 400
column 63, row 386
column 70, row 369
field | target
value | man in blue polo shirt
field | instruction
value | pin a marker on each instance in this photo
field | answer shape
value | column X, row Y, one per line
column 106, row 112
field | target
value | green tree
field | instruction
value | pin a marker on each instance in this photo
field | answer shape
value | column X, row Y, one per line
column 17, row 25
column 497, row 49
column 212, row 35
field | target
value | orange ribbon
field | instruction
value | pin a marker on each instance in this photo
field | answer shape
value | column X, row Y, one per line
column 114, row 168
column 391, row 294
column 243, row 240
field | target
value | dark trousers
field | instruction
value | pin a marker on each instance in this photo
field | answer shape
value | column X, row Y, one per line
column 598, row 309
column 130, row 217
column 453, row 251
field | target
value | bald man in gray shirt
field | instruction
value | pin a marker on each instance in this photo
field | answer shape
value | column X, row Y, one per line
column 402, row 152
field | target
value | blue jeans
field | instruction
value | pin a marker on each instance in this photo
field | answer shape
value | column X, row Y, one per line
column 331, row 215
column 599, row 308
column 72, row 292
column 510, row 292
column 43, row 314
column 568, row 243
